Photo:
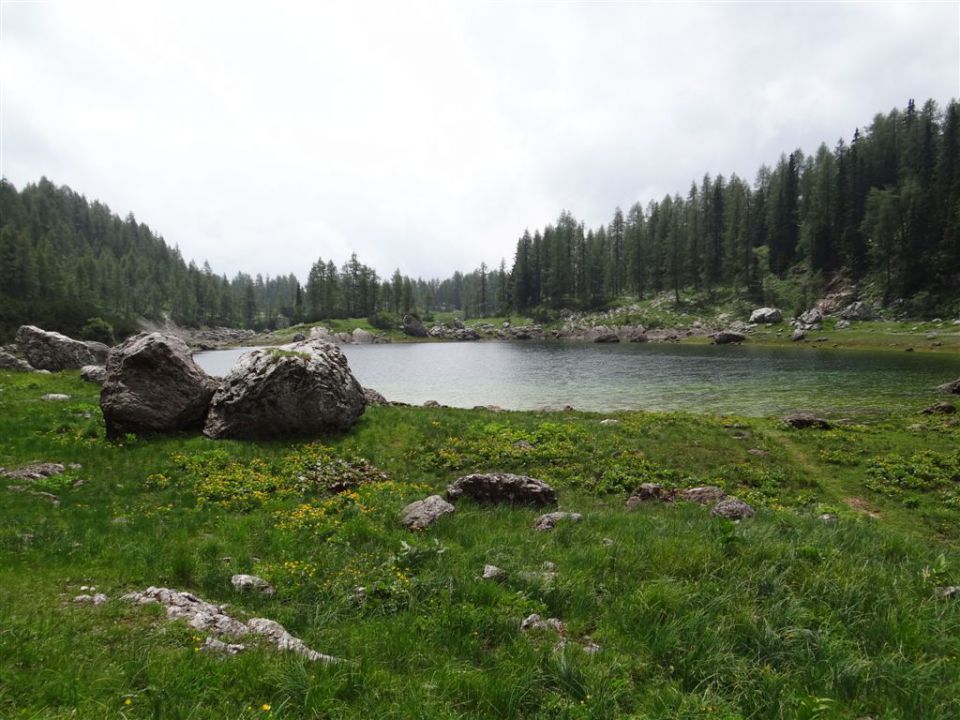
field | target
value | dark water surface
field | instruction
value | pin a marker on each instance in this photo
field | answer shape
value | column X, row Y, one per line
column 744, row 380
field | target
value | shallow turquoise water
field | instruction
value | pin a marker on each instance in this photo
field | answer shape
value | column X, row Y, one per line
column 729, row 379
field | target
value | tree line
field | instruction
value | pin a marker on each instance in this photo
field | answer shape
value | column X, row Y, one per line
column 883, row 208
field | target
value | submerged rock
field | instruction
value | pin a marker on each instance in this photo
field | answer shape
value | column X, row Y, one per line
column 498, row 488
column 52, row 351
column 302, row 389
column 423, row 513
column 153, row 385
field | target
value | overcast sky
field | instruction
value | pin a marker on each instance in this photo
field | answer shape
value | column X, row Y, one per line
column 427, row 136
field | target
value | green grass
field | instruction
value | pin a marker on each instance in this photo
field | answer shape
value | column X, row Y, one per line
column 781, row 616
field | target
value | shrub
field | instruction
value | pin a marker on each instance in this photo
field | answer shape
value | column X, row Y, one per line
column 384, row 321
column 99, row 330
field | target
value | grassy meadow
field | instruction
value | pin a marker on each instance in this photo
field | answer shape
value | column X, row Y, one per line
column 779, row 616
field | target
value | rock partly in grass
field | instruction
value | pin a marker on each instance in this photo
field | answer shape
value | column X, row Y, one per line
column 298, row 390
column 704, row 495
column 951, row 592
column 212, row 645
column 423, row 513
column 535, row 622
column 766, row 315
column 549, row 520
column 33, row 472
column 798, row 335
column 94, row 374
column 285, row 641
column 648, row 492
column 940, row 408
column 372, row 397
column 153, row 385
column 98, row 599
column 802, row 421
column 828, row 519
column 55, row 397
column 503, row 488
column 812, row 319
column 46, row 350
column 733, row 508
column 492, row 572
column 252, row 583
column 12, row 362
column 952, row 388
column 610, row 421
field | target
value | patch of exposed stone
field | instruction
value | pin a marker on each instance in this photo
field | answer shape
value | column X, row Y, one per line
column 502, row 488
column 723, row 506
column 549, row 521
column 207, row 617
column 421, row 514
column 252, row 583
column 803, row 421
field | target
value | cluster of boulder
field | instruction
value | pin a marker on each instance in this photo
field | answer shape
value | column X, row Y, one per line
column 358, row 336
column 724, row 506
column 43, row 350
column 153, row 385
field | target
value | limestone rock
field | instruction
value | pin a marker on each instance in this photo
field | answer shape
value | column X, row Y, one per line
column 858, row 310
column 766, row 315
column 285, row 641
column 33, row 472
column 252, row 583
column 212, row 645
column 423, row 513
column 802, row 421
column 153, row 385
column 301, row 389
column 372, row 397
column 648, row 492
column 535, row 622
column 492, row 572
column 94, row 374
column 828, row 519
column 610, row 421
column 52, row 351
column 704, row 495
column 100, row 351
column 361, row 337
column 812, row 319
column 798, row 335
column 549, row 520
column 498, row 488
column 98, row 599
column 732, row 508
column 9, row 361
column 55, row 397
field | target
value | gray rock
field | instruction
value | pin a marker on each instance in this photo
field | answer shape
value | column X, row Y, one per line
column 423, row 513
column 319, row 332
column 798, row 335
column 952, row 388
column 842, row 324
column 100, row 351
column 298, row 337
column 285, row 641
column 535, row 622
column 361, row 337
column 212, row 645
column 55, row 397
column 492, row 572
column 98, row 599
column 950, row 592
column 52, row 351
column 704, row 495
column 252, row 583
column 372, row 397
column 766, row 315
column 648, row 492
column 413, row 327
column 940, row 408
column 812, row 319
column 33, row 472
column 828, row 519
column 727, row 337
column 802, row 421
column 12, row 362
column 301, row 389
column 732, row 508
column 153, row 385
column 549, row 520
column 606, row 337
column 858, row 310
column 502, row 488
column 94, row 373
column 610, row 421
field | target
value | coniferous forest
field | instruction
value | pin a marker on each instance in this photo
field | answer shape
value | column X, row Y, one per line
column 882, row 207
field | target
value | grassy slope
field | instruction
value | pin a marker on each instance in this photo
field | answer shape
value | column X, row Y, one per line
column 780, row 616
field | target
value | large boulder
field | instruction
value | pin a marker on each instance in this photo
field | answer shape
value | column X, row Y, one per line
column 423, row 513
column 52, row 351
column 728, row 337
column 301, row 389
column 413, row 327
column 12, row 362
column 153, row 385
column 767, row 315
column 732, row 508
column 362, row 337
column 812, row 319
column 496, row 488
column 858, row 310
column 100, row 351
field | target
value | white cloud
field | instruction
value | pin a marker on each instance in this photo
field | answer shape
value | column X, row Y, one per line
column 427, row 135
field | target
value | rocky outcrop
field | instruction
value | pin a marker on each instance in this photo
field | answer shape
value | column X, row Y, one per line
column 802, row 421
column 12, row 362
column 153, row 385
column 301, row 389
column 649, row 492
column 496, row 488
column 252, row 583
column 940, row 408
column 423, row 513
column 33, row 472
column 413, row 327
column 858, row 310
column 52, row 351
column 727, row 337
column 94, row 373
column 812, row 319
column 766, row 315
column 458, row 334
column 732, row 508
column 704, row 495
column 798, row 335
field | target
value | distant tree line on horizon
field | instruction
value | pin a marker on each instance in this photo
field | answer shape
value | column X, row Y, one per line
column 883, row 208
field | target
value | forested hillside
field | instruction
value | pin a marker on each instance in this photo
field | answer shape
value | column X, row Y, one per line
column 882, row 210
